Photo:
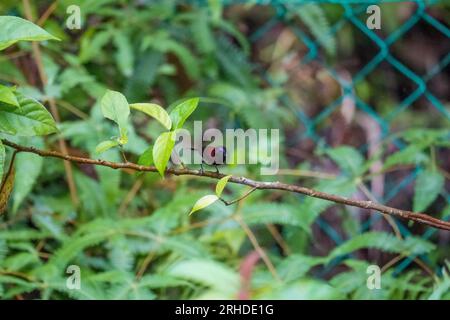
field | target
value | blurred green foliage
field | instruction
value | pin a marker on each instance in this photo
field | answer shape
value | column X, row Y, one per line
column 131, row 234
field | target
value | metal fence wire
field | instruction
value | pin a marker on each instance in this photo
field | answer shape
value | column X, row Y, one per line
column 383, row 57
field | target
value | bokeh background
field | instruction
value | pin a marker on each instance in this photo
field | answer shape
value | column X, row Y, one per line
column 362, row 113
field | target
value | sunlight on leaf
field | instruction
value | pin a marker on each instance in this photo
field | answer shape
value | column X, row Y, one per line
column 155, row 111
column 182, row 111
column 204, row 202
column 221, row 185
column 162, row 151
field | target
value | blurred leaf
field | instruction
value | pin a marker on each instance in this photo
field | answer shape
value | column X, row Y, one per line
column 276, row 213
column 384, row 242
column 304, row 289
column 204, row 202
column 348, row 159
column 28, row 167
column 209, row 273
column 425, row 136
column 201, row 31
column 221, row 185
column 315, row 18
column 155, row 111
column 412, row 154
column 125, row 54
column 296, row 266
column 429, row 184
column 162, row 150
column 7, row 96
column 14, row 29
column 92, row 43
column 106, row 145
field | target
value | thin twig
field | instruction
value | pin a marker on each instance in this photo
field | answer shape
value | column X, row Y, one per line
column 260, row 185
column 251, row 236
column 245, row 195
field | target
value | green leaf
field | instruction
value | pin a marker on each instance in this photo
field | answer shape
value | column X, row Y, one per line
column 2, row 159
column 275, row 213
column 412, row 154
column 31, row 119
column 13, row 29
column 204, row 202
column 106, row 145
column 162, row 150
column 124, row 55
column 209, row 273
column 385, row 242
column 28, row 168
column 7, row 96
column 348, row 159
column 146, row 158
column 155, row 111
column 221, row 185
column 428, row 185
column 115, row 107
column 182, row 111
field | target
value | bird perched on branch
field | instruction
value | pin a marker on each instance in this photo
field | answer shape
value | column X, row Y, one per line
column 213, row 156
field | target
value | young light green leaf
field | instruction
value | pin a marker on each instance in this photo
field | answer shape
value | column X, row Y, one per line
column 106, row 145
column 146, row 158
column 155, row 111
column 115, row 107
column 162, row 150
column 2, row 159
column 13, row 29
column 182, row 111
column 204, row 202
column 31, row 119
column 7, row 96
column 221, row 185
column 428, row 185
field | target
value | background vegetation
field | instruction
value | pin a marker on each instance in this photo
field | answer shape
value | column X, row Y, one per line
column 289, row 67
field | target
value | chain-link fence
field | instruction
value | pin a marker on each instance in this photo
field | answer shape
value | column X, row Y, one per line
column 381, row 61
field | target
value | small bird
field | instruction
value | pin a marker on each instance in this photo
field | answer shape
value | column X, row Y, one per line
column 213, row 156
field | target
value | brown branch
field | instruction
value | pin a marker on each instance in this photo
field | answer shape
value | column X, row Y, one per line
column 260, row 185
